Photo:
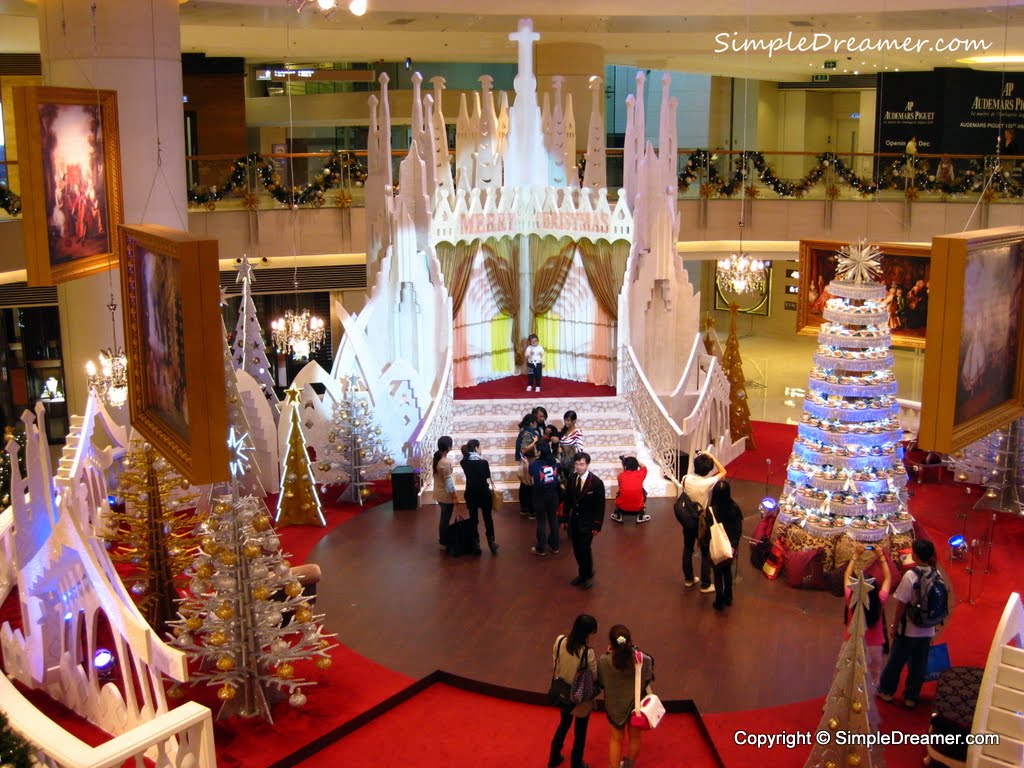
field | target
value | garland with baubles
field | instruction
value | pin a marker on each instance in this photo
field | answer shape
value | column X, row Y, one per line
column 266, row 173
column 9, row 201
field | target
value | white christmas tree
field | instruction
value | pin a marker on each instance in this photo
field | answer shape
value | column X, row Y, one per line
column 846, row 474
column 358, row 442
column 250, row 352
column 238, row 424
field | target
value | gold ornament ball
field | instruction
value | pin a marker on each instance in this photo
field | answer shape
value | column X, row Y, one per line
column 229, row 558
column 831, row 764
column 252, row 551
column 261, row 523
column 293, row 589
column 261, row 593
column 233, row 399
column 853, row 760
column 205, row 571
column 175, row 692
column 324, row 662
column 218, row 637
column 303, row 615
column 365, row 493
column 331, row 437
column 225, row 612
column 226, row 692
column 225, row 663
column 289, row 494
column 833, row 724
column 286, row 671
column 857, row 707
column 194, row 623
column 388, row 460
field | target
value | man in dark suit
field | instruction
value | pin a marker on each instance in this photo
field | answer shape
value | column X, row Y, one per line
column 584, row 509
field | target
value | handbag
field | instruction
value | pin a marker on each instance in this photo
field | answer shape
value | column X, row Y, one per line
column 496, row 498
column 720, row 547
column 559, row 693
column 938, row 661
column 461, row 537
column 648, row 711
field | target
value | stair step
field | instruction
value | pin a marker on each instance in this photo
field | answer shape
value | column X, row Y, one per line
column 1010, row 677
column 1008, row 750
column 1006, row 723
column 1011, row 656
column 1007, row 698
column 592, row 438
column 513, row 409
column 498, row 423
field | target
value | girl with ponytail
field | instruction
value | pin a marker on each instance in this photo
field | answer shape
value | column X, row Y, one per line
column 616, row 674
column 444, row 488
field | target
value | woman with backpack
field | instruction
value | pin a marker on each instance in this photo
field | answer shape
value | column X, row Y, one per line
column 573, row 654
column 921, row 604
column 527, row 436
column 616, row 675
column 544, row 474
column 864, row 556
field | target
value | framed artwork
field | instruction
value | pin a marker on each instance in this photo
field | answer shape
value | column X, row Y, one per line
column 974, row 366
column 758, row 304
column 70, row 167
column 170, row 295
column 906, row 272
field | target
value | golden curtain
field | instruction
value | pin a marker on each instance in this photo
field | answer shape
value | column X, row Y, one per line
column 501, row 259
column 456, row 265
column 605, row 264
column 550, row 260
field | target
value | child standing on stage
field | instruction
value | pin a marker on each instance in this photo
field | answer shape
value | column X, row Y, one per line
column 534, row 363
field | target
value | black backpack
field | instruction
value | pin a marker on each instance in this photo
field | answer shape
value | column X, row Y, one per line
column 687, row 511
column 929, row 605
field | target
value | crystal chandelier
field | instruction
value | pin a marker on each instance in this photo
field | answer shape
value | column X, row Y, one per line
column 300, row 333
column 110, row 380
column 741, row 274
column 328, row 7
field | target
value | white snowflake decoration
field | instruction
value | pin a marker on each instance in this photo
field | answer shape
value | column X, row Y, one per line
column 858, row 262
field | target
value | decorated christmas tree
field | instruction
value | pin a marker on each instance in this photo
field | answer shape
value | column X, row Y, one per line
column 14, row 750
column 850, row 705
column 238, row 426
column 250, row 352
column 298, row 502
column 357, row 441
column 712, row 344
column 5, row 463
column 152, row 534
column 732, row 364
column 247, row 621
column 845, row 475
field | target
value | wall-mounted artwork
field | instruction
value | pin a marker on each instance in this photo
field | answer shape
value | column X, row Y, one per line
column 69, row 162
column 173, row 327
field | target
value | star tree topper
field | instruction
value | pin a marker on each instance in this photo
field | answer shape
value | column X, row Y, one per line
column 858, row 262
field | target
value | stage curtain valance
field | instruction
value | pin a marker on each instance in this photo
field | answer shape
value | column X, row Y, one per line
column 550, row 260
column 605, row 264
column 456, row 265
column 501, row 259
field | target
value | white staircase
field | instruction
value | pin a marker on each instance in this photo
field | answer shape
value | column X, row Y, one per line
column 608, row 432
column 1001, row 699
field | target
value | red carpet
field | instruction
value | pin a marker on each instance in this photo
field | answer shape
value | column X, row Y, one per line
column 774, row 443
column 514, row 387
column 445, row 726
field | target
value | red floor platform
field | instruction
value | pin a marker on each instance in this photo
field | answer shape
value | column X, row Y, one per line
column 514, row 387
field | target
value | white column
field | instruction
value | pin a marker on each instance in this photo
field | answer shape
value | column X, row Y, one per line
column 525, row 287
column 134, row 48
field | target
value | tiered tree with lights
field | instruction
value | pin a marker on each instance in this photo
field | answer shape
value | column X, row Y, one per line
column 250, row 351
column 298, row 502
column 850, row 704
column 247, row 621
column 357, row 441
column 845, row 474
column 153, row 534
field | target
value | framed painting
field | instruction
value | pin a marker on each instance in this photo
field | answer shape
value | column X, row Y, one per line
column 70, row 167
column 170, row 295
column 974, row 366
column 906, row 273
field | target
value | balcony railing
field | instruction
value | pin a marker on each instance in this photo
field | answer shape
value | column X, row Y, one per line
column 335, row 179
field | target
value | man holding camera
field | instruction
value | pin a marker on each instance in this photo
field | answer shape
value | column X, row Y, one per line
column 631, row 498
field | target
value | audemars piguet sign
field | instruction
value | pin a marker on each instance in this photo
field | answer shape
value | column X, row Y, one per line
column 955, row 111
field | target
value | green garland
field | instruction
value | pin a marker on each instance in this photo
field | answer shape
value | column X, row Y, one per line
column 9, row 201
column 14, row 750
column 267, row 174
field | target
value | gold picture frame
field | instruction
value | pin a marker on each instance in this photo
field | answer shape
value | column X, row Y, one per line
column 69, row 162
column 174, row 341
column 974, row 366
column 905, row 268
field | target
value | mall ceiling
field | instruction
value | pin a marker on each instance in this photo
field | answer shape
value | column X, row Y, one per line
column 455, row 30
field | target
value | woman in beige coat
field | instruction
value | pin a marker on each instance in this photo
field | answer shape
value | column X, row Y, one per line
column 569, row 654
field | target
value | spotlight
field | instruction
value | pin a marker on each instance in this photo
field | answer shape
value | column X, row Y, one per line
column 769, row 506
column 957, row 547
column 357, row 7
column 104, row 661
column 408, row 63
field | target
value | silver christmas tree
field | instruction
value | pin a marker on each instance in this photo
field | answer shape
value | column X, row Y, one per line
column 250, row 351
column 357, row 442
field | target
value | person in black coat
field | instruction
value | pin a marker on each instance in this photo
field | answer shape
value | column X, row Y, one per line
column 584, row 512
column 728, row 513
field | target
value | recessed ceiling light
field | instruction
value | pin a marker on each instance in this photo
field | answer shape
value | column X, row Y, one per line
column 856, row 71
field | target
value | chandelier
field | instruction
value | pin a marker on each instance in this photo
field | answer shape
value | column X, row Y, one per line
column 741, row 274
column 301, row 333
column 328, row 7
column 110, row 380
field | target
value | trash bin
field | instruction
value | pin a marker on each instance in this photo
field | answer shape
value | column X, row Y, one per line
column 405, row 488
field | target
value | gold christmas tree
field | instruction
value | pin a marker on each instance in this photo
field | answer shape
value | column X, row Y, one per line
column 850, row 705
column 154, row 533
column 732, row 364
column 712, row 344
column 298, row 502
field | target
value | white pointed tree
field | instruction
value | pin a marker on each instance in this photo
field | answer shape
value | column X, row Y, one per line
column 249, row 351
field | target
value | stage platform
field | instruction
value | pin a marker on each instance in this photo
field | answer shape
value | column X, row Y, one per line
column 514, row 388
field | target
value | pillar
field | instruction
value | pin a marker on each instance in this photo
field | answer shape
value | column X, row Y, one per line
column 577, row 62
column 133, row 48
